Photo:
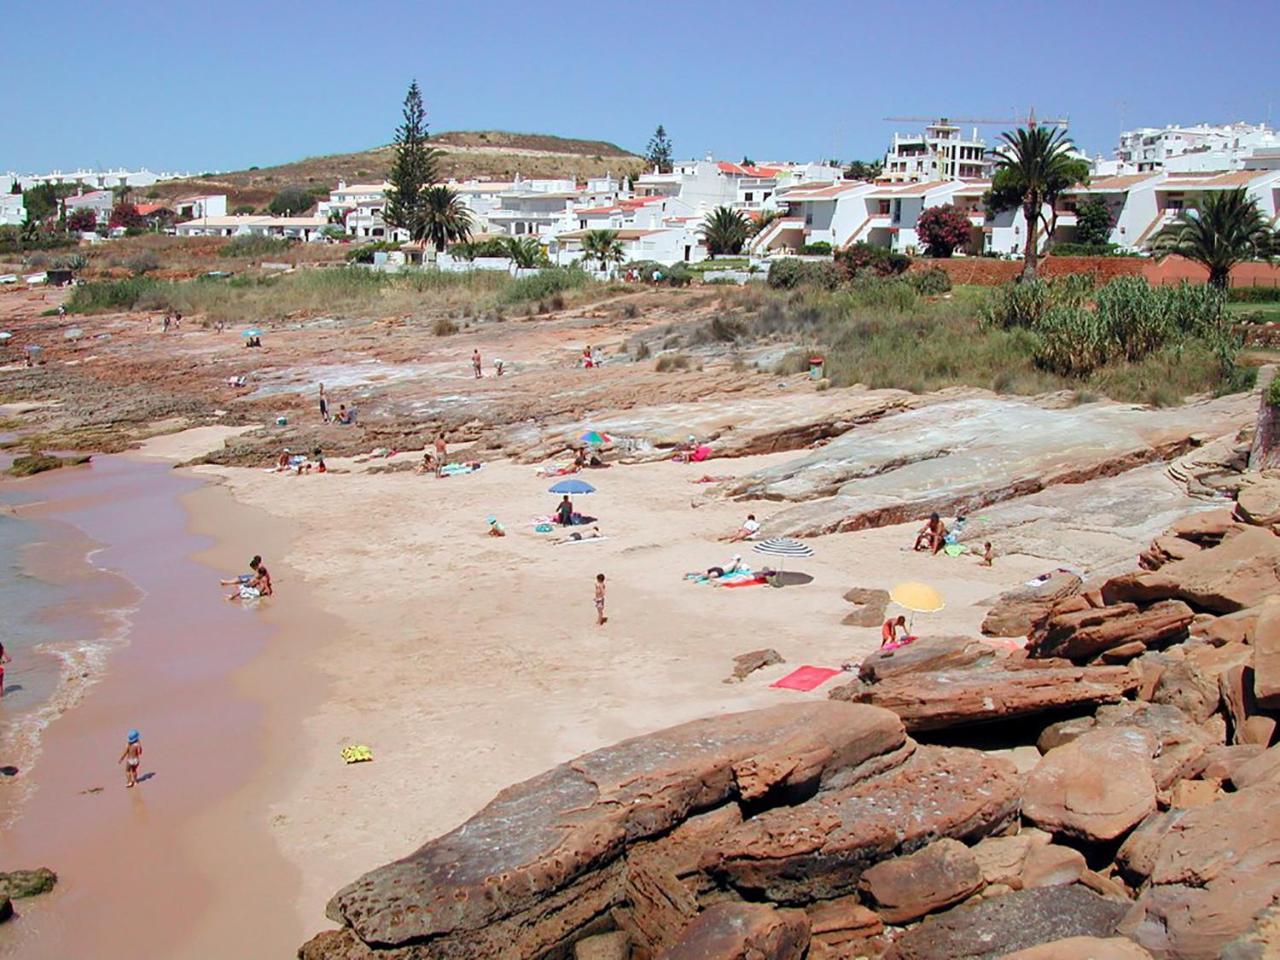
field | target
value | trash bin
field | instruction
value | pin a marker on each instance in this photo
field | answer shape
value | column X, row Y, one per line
column 816, row 365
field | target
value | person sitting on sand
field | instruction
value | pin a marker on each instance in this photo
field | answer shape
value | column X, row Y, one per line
column 244, row 577
column 282, row 464
column 932, row 536
column 258, row 586
column 580, row 458
column 428, row 464
column 496, row 529
column 749, row 528
column 988, row 556
column 564, row 512
column 889, row 631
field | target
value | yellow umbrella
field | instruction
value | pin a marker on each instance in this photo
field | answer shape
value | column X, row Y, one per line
column 917, row 597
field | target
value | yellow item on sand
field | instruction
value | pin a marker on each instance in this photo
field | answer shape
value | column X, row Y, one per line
column 357, row 754
column 917, row 597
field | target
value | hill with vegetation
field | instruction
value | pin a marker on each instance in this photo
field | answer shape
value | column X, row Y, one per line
column 484, row 154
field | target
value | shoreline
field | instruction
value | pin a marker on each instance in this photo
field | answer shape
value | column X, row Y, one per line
column 195, row 840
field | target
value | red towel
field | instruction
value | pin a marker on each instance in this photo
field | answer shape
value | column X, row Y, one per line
column 805, row 678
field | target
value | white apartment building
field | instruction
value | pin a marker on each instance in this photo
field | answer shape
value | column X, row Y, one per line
column 201, row 205
column 12, row 211
column 99, row 202
column 939, row 153
column 95, row 179
column 707, row 184
column 1198, row 148
column 291, row 228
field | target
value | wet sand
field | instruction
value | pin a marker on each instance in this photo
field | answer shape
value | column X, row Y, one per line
column 156, row 870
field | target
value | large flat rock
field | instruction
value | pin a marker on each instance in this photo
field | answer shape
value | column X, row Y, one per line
column 951, row 698
column 997, row 927
column 820, row 848
column 734, row 426
column 544, row 859
column 958, row 456
column 743, row 931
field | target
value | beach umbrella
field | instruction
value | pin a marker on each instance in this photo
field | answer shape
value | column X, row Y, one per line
column 782, row 548
column 917, row 597
column 252, row 332
column 31, row 348
column 572, row 486
column 5, row 334
column 596, row 438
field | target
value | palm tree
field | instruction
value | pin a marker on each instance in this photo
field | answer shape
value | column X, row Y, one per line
column 442, row 218
column 1034, row 159
column 525, row 252
column 724, row 230
column 1224, row 229
column 603, row 246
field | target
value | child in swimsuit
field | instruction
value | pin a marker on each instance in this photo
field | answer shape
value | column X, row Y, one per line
column 131, row 758
column 600, row 617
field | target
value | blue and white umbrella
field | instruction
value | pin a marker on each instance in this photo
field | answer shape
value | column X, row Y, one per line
column 572, row 486
column 252, row 332
column 783, row 548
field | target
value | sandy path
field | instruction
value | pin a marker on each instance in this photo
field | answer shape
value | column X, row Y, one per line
column 468, row 662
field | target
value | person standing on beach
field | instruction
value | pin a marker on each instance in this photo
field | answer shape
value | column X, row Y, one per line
column 4, row 658
column 601, row 619
column 442, row 453
column 476, row 365
column 131, row 758
column 324, row 405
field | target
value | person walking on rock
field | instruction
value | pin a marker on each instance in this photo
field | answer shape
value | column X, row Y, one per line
column 476, row 365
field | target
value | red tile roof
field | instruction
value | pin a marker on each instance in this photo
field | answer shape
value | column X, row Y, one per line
column 738, row 170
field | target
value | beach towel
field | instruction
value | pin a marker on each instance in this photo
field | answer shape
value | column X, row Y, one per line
column 542, row 528
column 805, row 678
column 755, row 581
column 702, row 453
column 955, row 549
column 358, row 753
column 457, row 469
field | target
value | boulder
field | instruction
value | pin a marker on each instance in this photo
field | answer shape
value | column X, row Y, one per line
column 820, row 848
column 1083, row 948
column 1083, row 634
column 1260, row 942
column 17, row 884
column 1001, row 859
column 1248, row 721
column 1231, row 628
column 743, row 931
column 1181, row 742
column 1258, row 503
column 534, row 869
column 1215, row 870
column 1018, row 612
column 1194, row 793
column 6, row 908
column 871, row 605
column 906, row 888
column 950, row 698
column 603, row 946
column 1266, row 657
column 745, row 664
column 926, row 654
column 1074, row 790
column 1137, row 855
column 1166, row 549
column 1064, row 731
column 1052, row 865
column 839, row 923
column 1015, row 921
column 1208, row 528
column 1223, row 762
column 1239, row 573
column 1262, row 768
column 1181, row 684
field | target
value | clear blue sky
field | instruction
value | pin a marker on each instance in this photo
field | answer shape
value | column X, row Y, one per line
column 235, row 83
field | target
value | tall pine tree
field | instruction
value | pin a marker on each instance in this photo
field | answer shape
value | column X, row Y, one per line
column 659, row 152
column 413, row 170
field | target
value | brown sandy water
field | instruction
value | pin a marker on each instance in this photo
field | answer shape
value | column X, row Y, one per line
column 183, row 865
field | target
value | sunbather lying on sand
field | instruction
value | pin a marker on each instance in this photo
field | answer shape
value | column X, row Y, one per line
column 595, row 534
column 749, row 528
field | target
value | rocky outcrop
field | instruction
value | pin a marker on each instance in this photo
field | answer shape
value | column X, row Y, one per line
column 949, row 698
column 1264, row 767
column 1213, row 870
column 925, row 655
column 1075, row 790
column 937, row 876
column 745, row 664
column 839, row 925
column 18, row 884
column 1258, row 503
column 1266, row 657
column 1077, row 631
column 871, row 605
column 546, row 859
column 1019, row 612
column 1083, row 948
column 1004, row 925
column 1239, row 573
column 743, row 931
column 958, row 456
column 820, row 849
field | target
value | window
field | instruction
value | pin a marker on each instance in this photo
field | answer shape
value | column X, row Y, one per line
column 750, row 196
column 884, row 208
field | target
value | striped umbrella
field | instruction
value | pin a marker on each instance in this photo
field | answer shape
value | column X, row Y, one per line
column 783, row 547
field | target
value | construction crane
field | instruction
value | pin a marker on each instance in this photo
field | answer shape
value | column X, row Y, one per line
column 1030, row 120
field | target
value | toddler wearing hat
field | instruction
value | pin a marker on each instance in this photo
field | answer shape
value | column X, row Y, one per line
column 131, row 757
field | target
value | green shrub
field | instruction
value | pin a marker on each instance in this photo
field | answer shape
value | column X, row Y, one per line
column 1090, row 250
column 69, row 261
column 293, row 201
column 545, row 283
column 142, row 262
column 789, row 273
column 819, row 249
column 444, row 327
column 677, row 275
column 930, row 282
column 471, row 249
column 1023, row 304
column 364, row 253
column 253, row 245
column 885, row 293
column 110, row 295
column 854, row 259
column 1253, row 294
column 1273, row 392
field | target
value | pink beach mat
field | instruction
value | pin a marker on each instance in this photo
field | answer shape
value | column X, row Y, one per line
column 805, row 678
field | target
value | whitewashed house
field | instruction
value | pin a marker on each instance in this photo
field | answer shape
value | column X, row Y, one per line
column 98, row 202
column 1194, row 148
column 290, row 228
column 201, row 205
column 12, row 211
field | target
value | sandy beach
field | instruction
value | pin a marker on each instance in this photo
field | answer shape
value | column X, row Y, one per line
column 465, row 662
